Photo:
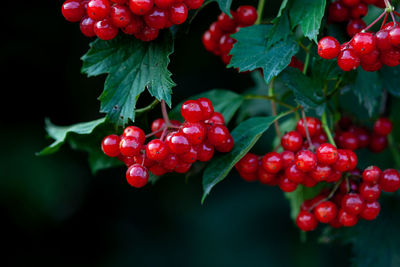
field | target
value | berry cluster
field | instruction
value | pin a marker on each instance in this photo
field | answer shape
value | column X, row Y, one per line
column 367, row 49
column 350, row 136
column 141, row 18
column 351, row 12
column 298, row 163
column 354, row 197
column 217, row 38
column 176, row 147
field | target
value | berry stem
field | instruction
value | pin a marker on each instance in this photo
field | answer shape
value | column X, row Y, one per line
column 396, row 13
column 326, row 129
column 390, row 8
column 304, row 118
column 148, row 108
column 165, row 113
column 384, row 21
column 394, row 149
column 273, row 107
column 374, row 22
column 155, row 132
column 331, row 194
column 307, row 60
column 260, row 9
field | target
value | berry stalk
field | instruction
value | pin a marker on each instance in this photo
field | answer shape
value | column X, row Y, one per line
column 304, row 118
column 260, row 9
column 327, row 130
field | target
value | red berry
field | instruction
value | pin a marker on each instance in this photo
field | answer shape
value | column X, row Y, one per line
column 135, row 25
column 353, row 159
column 294, row 174
column 135, row 132
column 227, row 146
column 110, row 145
column 129, row 146
column 105, row 30
column 142, row 159
column 164, row 4
column 352, row 203
column 272, row 162
column 350, row 3
column 209, row 43
column 338, row 12
column 321, row 173
column 265, row 177
column 191, row 111
column 249, row 177
column 158, row 170
column 157, row 18
column 178, row 143
column 182, row 167
column 87, row 26
column 305, row 160
column 390, row 180
column 383, row 40
column 216, row 118
column 157, row 125
column 246, row 16
column 309, row 181
column 170, row 162
column 140, row 7
column 205, row 152
column 328, row 47
column 390, row 58
column 347, row 219
column 226, row 23
column 348, row 60
column 206, row 107
column 194, row 4
column 394, row 35
column 137, row 175
column 157, row 150
column 327, row 154
column 371, row 175
column 378, row 143
column 286, row 185
column 334, row 176
column 313, row 126
column 383, row 126
column 120, row 15
column 363, row 43
column 195, row 131
column 325, row 211
column 358, row 11
column 362, row 135
column 218, row 135
column 370, row 58
column 342, row 164
column 119, row 1
column 371, row 211
column 73, row 10
column 372, row 67
column 190, row 156
column 98, row 9
column 355, row 26
column 348, row 140
column 226, row 44
column 306, row 221
column 292, row 141
column 178, row 13
column 287, row 158
column 370, row 192
column 248, row 164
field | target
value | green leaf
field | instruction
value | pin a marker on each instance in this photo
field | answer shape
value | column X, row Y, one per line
column 390, row 77
column 245, row 136
column 308, row 14
column 282, row 7
column 224, row 5
column 250, row 52
column 306, row 91
column 280, row 30
column 132, row 66
column 224, row 101
column 368, row 89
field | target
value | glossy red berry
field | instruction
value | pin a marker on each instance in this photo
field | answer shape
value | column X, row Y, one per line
column 137, row 175
column 189, row 157
column 305, row 160
column 248, row 164
column 348, row 60
column 390, row 180
column 355, row 26
column 205, row 152
column 353, row 160
column 140, row 7
column 110, row 145
column 135, row 132
column 363, row 43
column 170, row 162
column 342, row 163
column 216, row 118
column 371, row 211
column 249, row 177
column 313, row 126
column 178, row 143
column 359, row 10
column 352, row 203
column 164, row 4
column 98, row 9
column 370, row 58
column 142, row 159
column 325, row 211
column 135, row 25
column 338, row 12
column 73, row 10
column 178, row 13
column 327, row 154
column 371, row 175
column 157, row 18
column 306, row 221
column 378, row 143
column 350, row 3
column 191, row 111
column 226, row 146
column 321, row 172
column 129, row 146
column 194, row 4
column 287, row 158
column 226, row 23
column 158, row 170
column 390, row 57
column 105, row 30
column 157, row 150
column 370, row 192
column 246, row 16
column 182, row 167
column 272, row 162
column 286, row 185
column 328, row 47
column 207, row 108
column 348, row 140
column 265, row 177
column 292, row 141
column 194, row 131
column 218, row 135
column 334, row 176
column 347, row 219
column 394, row 35
column 87, row 27
column 382, row 39
column 294, row 174
column 383, row 126
column 120, row 15
column 363, row 136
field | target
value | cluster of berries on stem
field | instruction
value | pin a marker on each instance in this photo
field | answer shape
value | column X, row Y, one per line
column 176, row 145
column 366, row 49
column 217, row 39
column 140, row 18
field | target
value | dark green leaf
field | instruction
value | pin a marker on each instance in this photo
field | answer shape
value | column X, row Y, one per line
column 245, row 135
column 368, row 89
column 307, row 91
column 280, row 30
column 390, row 77
column 283, row 6
column 224, row 101
column 308, row 14
column 132, row 66
column 325, row 69
column 250, row 51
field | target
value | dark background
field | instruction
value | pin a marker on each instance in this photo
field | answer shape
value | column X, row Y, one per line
column 55, row 212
